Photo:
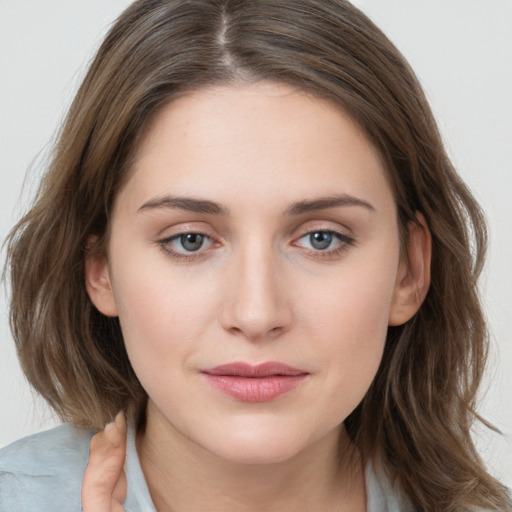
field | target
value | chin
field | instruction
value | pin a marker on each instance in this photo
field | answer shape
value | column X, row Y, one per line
column 260, row 455
column 260, row 447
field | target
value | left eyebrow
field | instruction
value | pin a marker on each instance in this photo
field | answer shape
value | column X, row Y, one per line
column 323, row 203
column 190, row 204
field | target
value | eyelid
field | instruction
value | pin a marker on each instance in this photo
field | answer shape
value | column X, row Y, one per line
column 165, row 244
column 344, row 242
column 338, row 234
column 180, row 228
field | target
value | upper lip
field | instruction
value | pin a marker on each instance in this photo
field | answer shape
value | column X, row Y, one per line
column 240, row 369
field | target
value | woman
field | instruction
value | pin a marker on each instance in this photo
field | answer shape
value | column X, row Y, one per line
column 251, row 241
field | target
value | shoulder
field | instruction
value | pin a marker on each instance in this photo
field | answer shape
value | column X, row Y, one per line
column 382, row 495
column 44, row 472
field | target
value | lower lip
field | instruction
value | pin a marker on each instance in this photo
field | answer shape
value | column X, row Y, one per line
column 255, row 389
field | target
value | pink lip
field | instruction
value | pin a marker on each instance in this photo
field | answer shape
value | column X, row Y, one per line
column 260, row 383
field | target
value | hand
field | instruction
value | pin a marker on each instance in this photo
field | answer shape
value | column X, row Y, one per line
column 104, row 486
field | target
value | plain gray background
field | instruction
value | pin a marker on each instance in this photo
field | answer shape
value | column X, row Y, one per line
column 462, row 52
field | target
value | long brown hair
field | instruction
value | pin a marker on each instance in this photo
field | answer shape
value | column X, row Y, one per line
column 417, row 415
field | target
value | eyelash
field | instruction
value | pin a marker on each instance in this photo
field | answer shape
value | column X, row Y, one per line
column 344, row 240
column 326, row 254
column 165, row 246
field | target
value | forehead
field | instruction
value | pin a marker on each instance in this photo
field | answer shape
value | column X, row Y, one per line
column 271, row 136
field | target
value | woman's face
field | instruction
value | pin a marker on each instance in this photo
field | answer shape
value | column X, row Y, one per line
column 257, row 228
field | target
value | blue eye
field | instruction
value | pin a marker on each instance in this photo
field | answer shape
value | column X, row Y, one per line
column 320, row 240
column 191, row 242
column 186, row 244
column 326, row 241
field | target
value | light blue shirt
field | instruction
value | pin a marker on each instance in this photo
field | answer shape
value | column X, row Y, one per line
column 43, row 473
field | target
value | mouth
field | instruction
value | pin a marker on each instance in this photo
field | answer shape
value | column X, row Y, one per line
column 254, row 383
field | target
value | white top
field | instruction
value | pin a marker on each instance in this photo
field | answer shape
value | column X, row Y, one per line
column 43, row 473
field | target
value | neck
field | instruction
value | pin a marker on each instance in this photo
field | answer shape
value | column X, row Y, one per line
column 183, row 476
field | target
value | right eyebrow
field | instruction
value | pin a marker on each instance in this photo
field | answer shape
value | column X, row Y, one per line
column 323, row 203
column 189, row 204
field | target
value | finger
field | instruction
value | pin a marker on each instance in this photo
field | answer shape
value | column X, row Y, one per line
column 116, row 431
column 104, row 485
column 120, row 488
column 116, row 507
column 118, row 437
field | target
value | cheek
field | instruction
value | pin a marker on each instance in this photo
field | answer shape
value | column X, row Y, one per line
column 161, row 315
column 159, row 325
column 357, row 298
column 354, row 333
column 351, row 321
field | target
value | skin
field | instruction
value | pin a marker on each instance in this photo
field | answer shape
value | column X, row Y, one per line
column 104, row 486
column 259, row 289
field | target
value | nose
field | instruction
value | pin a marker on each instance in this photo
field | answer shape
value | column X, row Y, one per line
column 256, row 301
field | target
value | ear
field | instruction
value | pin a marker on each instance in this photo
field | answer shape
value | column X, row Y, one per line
column 97, row 280
column 413, row 279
